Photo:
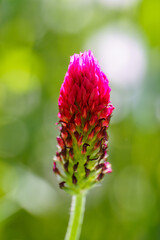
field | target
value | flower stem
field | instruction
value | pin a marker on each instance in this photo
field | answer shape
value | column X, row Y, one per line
column 76, row 217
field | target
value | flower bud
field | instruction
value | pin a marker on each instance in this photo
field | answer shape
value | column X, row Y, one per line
column 74, row 179
column 71, row 153
column 60, row 142
column 91, row 135
column 84, row 148
column 72, row 127
column 64, row 133
column 93, row 120
column 61, row 184
column 55, row 169
column 107, row 168
column 75, row 166
column 84, row 116
column 86, row 127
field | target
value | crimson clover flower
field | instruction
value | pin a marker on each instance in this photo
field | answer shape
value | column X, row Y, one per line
column 84, row 115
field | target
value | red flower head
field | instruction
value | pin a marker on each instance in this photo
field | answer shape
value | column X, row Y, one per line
column 84, row 113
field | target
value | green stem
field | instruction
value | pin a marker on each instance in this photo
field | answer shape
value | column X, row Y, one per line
column 76, row 217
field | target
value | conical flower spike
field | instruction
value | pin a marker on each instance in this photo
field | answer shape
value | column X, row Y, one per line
column 84, row 113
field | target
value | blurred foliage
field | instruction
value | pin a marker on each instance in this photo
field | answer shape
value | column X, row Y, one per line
column 36, row 39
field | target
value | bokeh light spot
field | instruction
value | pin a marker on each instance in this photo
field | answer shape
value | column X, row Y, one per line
column 121, row 54
column 119, row 4
column 33, row 193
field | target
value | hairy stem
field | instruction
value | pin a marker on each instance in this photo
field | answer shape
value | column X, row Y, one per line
column 76, row 217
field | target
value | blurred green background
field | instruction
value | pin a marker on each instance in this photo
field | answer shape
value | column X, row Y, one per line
column 36, row 39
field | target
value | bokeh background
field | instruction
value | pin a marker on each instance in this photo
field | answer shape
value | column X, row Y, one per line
column 36, row 39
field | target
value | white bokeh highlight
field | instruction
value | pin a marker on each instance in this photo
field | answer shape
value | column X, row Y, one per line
column 121, row 54
column 33, row 193
column 119, row 4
